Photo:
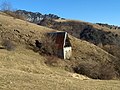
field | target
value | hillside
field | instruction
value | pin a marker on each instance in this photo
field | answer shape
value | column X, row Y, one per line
column 105, row 36
column 22, row 68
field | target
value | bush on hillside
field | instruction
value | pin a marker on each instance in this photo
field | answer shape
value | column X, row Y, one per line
column 9, row 45
column 14, row 15
column 44, row 46
column 96, row 70
column 6, row 7
column 117, row 66
column 52, row 60
column 48, row 45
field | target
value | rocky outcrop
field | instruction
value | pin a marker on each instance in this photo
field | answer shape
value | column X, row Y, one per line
column 35, row 17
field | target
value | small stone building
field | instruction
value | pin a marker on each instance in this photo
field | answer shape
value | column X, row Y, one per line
column 63, row 45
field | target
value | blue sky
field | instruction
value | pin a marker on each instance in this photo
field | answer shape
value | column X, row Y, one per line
column 104, row 11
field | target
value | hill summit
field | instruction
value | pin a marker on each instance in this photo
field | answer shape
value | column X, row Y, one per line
column 36, row 17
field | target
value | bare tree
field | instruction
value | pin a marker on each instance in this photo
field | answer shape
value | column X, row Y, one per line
column 6, row 6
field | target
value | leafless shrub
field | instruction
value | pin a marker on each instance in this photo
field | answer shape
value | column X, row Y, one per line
column 117, row 66
column 51, row 60
column 14, row 15
column 96, row 70
column 0, row 24
column 49, row 45
column 6, row 6
column 7, row 44
column 107, row 71
column 46, row 45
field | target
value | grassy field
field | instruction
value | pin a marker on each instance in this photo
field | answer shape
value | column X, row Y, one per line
column 23, row 69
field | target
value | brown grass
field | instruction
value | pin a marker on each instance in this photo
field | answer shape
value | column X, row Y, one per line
column 30, row 72
column 23, row 69
column 8, row 45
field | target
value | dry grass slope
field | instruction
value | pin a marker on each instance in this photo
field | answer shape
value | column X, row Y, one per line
column 23, row 69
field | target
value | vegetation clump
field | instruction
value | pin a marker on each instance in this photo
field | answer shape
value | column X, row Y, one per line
column 95, row 70
column 9, row 45
column 6, row 7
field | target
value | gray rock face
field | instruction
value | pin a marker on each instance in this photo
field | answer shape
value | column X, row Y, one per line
column 35, row 17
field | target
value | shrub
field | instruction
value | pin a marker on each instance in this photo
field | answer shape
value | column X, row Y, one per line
column 90, row 69
column 107, row 71
column 96, row 70
column 117, row 66
column 6, row 7
column 46, row 46
column 7, row 44
column 14, row 15
column 51, row 60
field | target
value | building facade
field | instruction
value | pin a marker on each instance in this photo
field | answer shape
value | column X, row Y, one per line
column 62, row 43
